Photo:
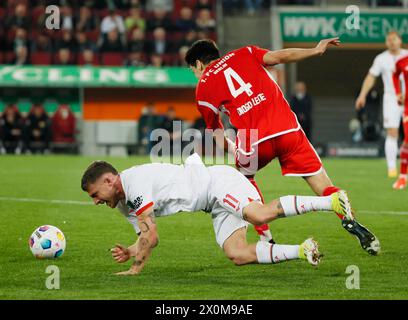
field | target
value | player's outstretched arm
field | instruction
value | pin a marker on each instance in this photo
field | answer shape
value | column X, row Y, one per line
column 143, row 247
column 295, row 54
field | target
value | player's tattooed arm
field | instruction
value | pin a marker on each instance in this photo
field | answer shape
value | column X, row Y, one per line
column 143, row 247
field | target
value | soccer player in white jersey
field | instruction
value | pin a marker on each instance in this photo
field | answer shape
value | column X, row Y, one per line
column 384, row 65
column 152, row 190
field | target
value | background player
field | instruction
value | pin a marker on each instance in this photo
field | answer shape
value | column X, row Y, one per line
column 384, row 65
column 240, row 85
column 146, row 191
column 402, row 67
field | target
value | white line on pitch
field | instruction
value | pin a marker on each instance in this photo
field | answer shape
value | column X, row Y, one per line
column 82, row 203
column 402, row 213
column 85, row 203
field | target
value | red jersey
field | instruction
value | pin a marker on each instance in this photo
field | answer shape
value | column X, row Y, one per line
column 401, row 67
column 239, row 85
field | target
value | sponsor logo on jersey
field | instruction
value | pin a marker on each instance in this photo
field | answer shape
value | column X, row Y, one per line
column 136, row 203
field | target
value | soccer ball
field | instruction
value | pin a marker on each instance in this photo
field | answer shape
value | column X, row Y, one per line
column 47, row 242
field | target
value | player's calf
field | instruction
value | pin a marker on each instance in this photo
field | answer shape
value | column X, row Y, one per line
column 258, row 214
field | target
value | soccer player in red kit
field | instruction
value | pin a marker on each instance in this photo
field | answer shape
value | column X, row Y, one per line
column 239, row 85
column 402, row 67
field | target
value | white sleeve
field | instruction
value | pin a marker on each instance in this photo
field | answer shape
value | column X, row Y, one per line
column 132, row 218
column 375, row 69
column 129, row 215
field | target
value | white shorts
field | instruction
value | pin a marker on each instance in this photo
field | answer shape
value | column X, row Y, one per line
column 230, row 192
column 392, row 112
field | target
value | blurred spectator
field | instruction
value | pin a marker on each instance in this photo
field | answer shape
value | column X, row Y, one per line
column 186, row 21
column 204, row 20
column 148, row 121
column 156, row 60
column 97, row 4
column 135, row 59
column 20, row 39
column 202, row 34
column 113, row 21
column 11, row 129
column 83, row 43
column 38, row 133
column 252, row 6
column 166, row 5
column 199, row 137
column 88, row 58
column 159, row 19
column 159, row 45
column 67, row 17
column 137, row 41
column 188, row 39
column 231, row 6
column 112, row 43
column 181, row 62
column 20, row 18
column 63, row 125
column 67, row 41
column 64, row 57
column 86, row 20
column 203, row 4
column 21, row 57
column 42, row 43
column 174, row 130
column 301, row 103
column 135, row 19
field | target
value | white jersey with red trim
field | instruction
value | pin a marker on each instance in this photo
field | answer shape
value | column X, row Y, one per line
column 221, row 190
column 168, row 188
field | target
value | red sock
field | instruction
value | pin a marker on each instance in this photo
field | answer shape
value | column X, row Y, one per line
column 259, row 229
column 404, row 159
column 330, row 190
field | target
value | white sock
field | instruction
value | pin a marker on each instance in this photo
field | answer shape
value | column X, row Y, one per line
column 274, row 253
column 391, row 152
column 295, row 205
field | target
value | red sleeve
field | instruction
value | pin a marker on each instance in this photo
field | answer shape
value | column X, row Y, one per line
column 395, row 78
column 210, row 116
column 258, row 53
column 208, row 108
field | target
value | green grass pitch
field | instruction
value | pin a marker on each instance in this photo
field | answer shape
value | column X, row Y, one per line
column 188, row 264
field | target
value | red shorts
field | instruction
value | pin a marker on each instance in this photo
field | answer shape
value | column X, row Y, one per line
column 296, row 155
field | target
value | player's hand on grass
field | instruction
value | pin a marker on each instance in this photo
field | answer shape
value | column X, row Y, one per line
column 120, row 253
column 130, row 272
column 360, row 102
column 323, row 44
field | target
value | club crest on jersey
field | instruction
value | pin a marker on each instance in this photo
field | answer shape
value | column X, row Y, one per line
column 136, row 203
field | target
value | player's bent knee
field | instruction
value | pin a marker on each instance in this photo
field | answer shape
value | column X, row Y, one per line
column 237, row 258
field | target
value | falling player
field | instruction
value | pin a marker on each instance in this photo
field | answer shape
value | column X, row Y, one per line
column 384, row 65
column 240, row 85
column 152, row 190
column 402, row 67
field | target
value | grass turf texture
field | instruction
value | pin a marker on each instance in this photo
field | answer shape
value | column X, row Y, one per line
column 188, row 264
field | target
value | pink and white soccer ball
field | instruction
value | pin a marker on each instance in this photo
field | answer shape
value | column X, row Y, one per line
column 47, row 242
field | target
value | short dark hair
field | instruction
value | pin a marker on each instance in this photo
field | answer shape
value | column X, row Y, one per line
column 95, row 170
column 203, row 50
